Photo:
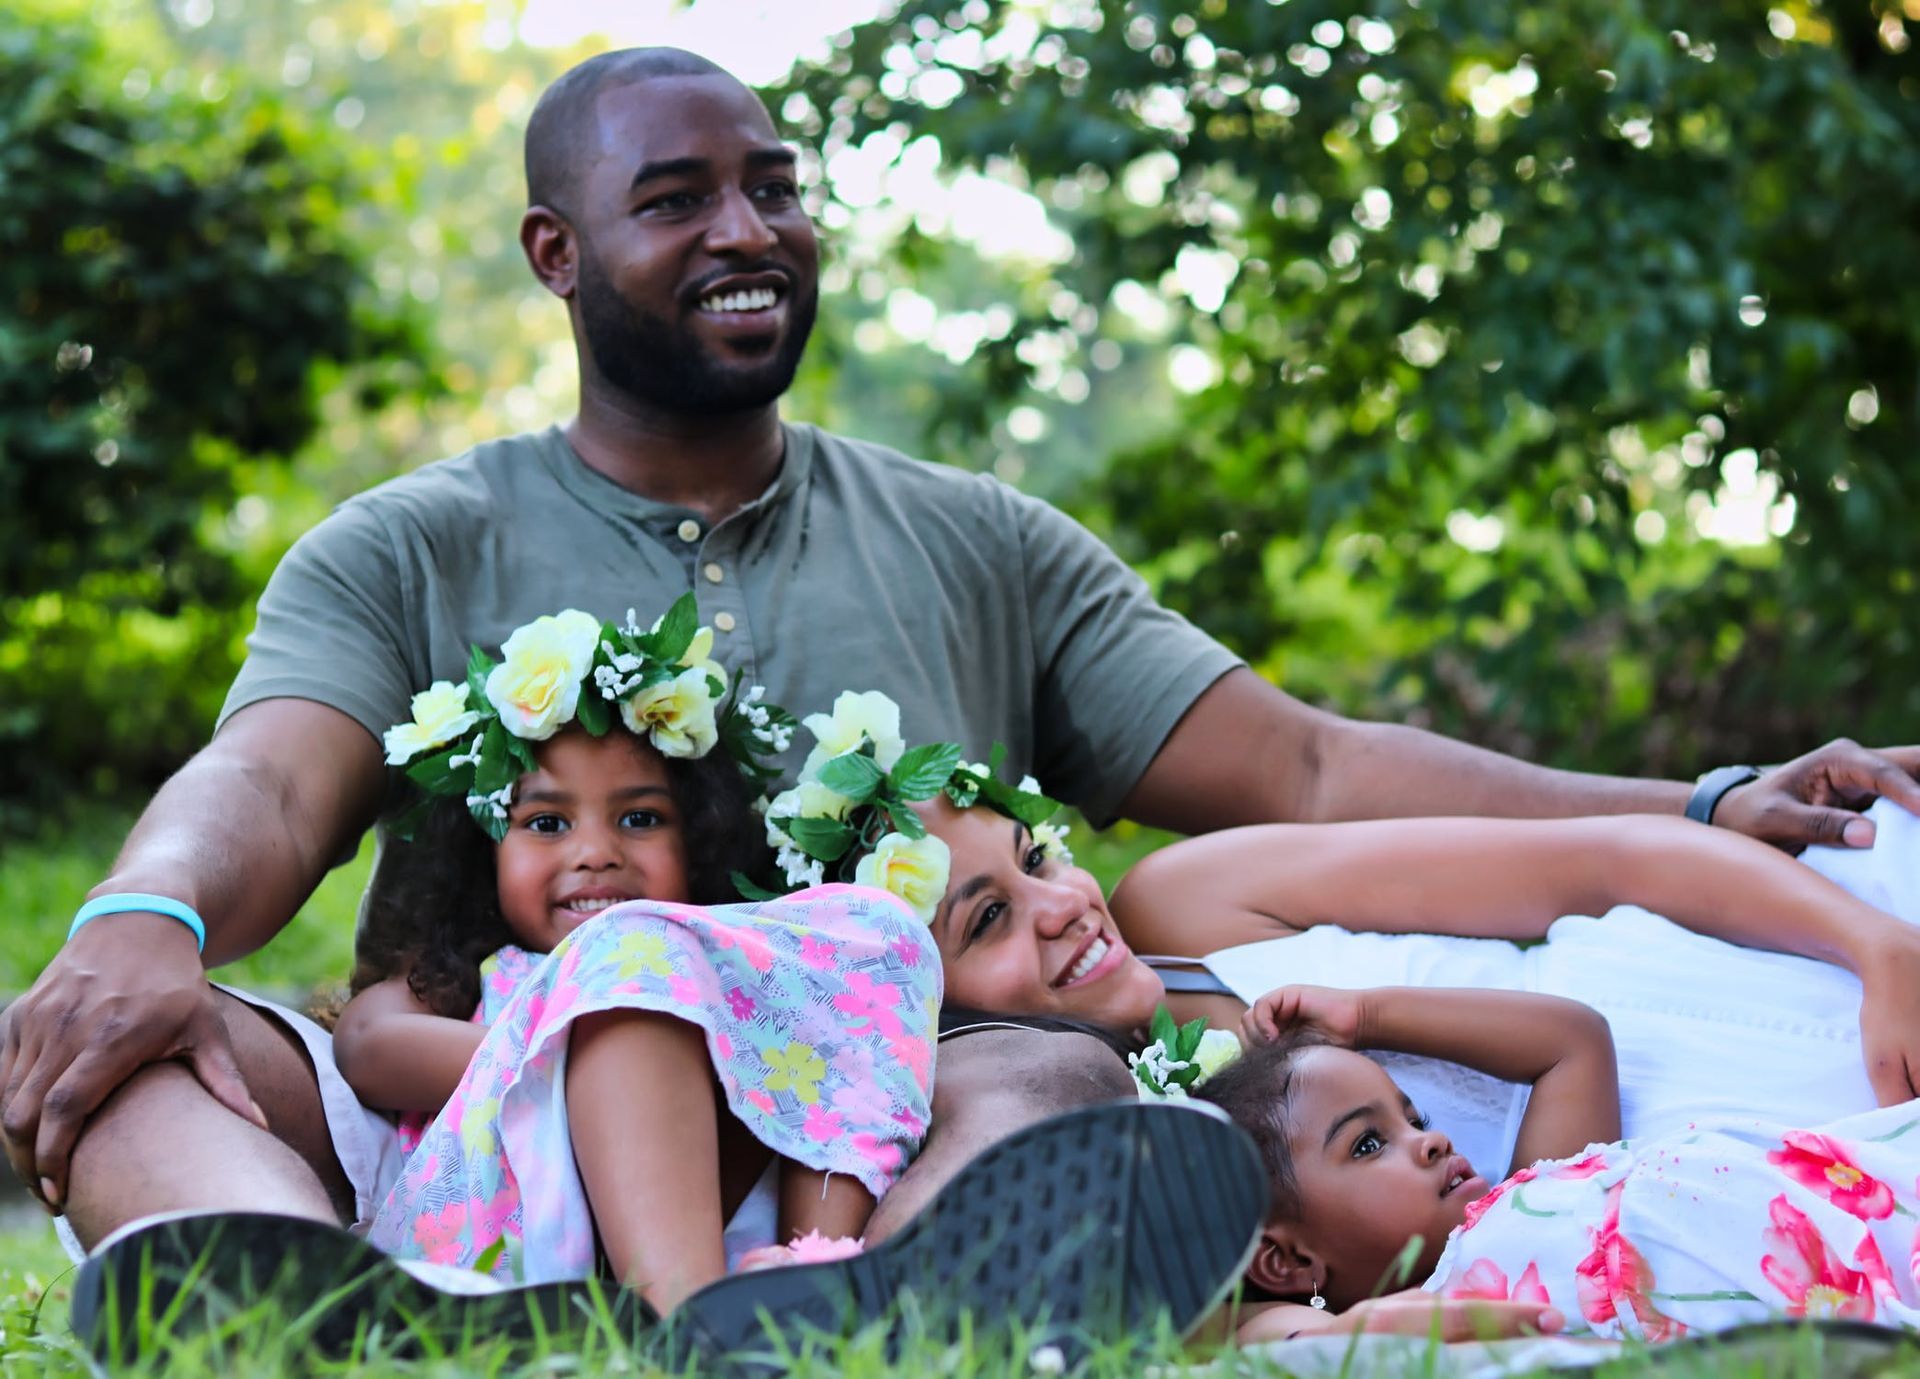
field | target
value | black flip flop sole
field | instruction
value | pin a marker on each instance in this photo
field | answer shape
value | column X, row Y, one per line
column 327, row 1290
column 1083, row 1228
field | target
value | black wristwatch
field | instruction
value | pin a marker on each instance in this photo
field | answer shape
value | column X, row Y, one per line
column 1713, row 786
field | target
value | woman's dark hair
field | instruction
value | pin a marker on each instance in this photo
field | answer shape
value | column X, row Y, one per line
column 1256, row 1090
column 432, row 909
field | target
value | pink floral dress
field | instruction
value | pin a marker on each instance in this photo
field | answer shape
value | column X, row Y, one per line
column 820, row 1012
column 1732, row 1222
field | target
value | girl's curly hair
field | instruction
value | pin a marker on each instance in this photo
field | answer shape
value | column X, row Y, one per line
column 432, row 908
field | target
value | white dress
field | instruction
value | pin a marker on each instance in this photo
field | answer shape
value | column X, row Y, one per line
column 1703, row 1028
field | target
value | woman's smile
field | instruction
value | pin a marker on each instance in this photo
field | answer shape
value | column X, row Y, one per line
column 1097, row 956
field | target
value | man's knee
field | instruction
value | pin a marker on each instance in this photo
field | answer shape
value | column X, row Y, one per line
column 1047, row 1070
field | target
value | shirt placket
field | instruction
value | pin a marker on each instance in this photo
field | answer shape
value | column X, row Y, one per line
column 717, row 574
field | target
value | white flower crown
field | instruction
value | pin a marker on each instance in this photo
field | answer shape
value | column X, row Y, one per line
column 472, row 739
column 850, row 809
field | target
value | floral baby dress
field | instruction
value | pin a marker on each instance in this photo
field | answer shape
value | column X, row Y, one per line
column 820, row 1012
column 1728, row 1223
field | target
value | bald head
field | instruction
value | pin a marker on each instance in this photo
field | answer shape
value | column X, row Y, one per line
column 561, row 128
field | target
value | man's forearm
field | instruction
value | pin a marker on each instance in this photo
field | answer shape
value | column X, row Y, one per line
column 246, row 829
column 1384, row 770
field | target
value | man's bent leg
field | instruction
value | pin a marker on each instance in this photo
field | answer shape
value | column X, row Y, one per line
column 161, row 1143
column 990, row 1083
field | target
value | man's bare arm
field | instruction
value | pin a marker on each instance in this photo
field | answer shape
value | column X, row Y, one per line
column 1246, row 752
column 242, row 833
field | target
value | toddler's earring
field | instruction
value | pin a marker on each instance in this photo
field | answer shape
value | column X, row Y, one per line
column 1316, row 1302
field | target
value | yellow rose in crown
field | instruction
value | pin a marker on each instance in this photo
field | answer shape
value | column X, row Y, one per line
column 536, row 686
column 676, row 715
column 699, row 655
column 1218, row 1047
column 440, row 714
column 871, row 715
column 915, row 869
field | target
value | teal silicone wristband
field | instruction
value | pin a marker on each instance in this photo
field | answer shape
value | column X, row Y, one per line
column 129, row 902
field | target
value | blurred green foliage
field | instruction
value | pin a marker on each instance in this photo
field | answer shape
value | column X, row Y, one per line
column 1484, row 321
column 178, row 290
column 1509, row 310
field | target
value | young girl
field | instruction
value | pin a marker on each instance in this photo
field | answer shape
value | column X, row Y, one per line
column 556, row 1003
column 1727, row 1222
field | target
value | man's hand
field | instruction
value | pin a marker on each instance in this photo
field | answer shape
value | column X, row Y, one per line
column 127, row 991
column 1410, row 1313
column 1817, row 798
column 1337, row 1016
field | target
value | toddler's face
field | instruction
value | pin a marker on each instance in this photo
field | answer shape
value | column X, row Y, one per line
column 595, row 825
column 1372, row 1173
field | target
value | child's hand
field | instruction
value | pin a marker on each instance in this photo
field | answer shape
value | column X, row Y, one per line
column 1337, row 1016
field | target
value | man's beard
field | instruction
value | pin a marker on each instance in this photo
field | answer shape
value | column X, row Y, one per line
column 654, row 362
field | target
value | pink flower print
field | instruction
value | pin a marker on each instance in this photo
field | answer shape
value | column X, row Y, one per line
column 817, row 953
column 683, row 991
column 741, row 1004
column 1481, row 1206
column 723, row 1045
column 862, row 1100
column 917, row 1054
column 909, row 1122
column 439, row 1234
column 1581, row 1168
column 762, row 1100
column 823, row 1125
column 815, row 1248
column 882, row 1154
column 869, row 1006
column 1485, row 1279
column 753, row 946
column 1811, row 1277
column 1823, row 1164
column 906, row 950
column 1616, row 1274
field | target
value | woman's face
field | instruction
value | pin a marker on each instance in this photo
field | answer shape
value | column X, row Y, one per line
column 1022, row 935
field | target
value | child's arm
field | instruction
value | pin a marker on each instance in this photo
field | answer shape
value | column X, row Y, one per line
column 1561, row 1047
column 1511, row 878
column 397, row 1054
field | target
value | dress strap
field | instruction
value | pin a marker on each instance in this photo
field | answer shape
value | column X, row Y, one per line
column 1168, row 967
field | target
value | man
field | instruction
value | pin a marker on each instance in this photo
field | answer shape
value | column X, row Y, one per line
column 664, row 213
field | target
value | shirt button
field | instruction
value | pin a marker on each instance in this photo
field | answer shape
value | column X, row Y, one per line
column 715, row 574
column 723, row 621
column 689, row 530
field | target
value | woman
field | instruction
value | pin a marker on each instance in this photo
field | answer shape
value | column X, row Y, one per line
column 1703, row 1026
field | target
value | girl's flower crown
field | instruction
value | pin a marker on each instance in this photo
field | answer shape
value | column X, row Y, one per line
column 850, row 810
column 471, row 739
column 1180, row 1058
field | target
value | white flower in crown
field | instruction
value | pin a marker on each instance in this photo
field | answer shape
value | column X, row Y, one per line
column 536, row 686
column 1218, row 1047
column 1154, row 1067
column 915, row 869
column 676, row 715
column 1052, row 841
column 440, row 714
column 807, row 800
column 1030, row 785
column 869, row 715
column 800, row 870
